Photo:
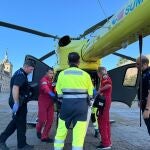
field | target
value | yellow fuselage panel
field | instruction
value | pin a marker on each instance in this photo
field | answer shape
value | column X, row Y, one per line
column 123, row 28
column 74, row 46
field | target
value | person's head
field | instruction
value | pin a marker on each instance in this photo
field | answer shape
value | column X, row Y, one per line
column 28, row 66
column 144, row 62
column 50, row 73
column 73, row 59
column 101, row 71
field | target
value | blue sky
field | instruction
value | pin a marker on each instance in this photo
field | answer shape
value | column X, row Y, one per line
column 58, row 17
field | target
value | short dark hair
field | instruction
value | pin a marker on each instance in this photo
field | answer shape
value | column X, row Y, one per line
column 73, row 58
column 29, row 63
column 144, row 60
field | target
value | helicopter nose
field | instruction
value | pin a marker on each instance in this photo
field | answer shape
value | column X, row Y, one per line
column 64, row 41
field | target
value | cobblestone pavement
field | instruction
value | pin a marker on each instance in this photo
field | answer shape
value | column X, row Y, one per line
column 126, row 133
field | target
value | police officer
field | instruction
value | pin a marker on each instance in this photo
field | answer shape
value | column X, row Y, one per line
column 18, row 102
column 145, row 102
column 46, row 106
column 74, row 86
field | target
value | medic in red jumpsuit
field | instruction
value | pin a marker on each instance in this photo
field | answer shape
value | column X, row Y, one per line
column 103, row 117
column 46, row 107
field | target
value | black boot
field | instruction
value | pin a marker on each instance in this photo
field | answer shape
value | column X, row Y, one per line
column 38, row 135
column 27, row 147
column 3, row 146
column 48, row 140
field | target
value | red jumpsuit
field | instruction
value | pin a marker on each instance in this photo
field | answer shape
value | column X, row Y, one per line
column 103, row 117
column 46, row 108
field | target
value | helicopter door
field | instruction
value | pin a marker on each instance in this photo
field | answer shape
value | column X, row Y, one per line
column 38, row 73
column 124, row 79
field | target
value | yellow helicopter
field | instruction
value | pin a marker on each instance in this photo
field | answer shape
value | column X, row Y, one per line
column 130, row 24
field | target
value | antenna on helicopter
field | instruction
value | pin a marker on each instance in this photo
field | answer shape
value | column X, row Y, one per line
column 94, row 27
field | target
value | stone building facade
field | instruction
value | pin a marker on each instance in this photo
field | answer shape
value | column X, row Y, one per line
column 5, row 74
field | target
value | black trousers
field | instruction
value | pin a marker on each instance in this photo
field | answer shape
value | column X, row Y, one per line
column 18, row 123
column 147, row 121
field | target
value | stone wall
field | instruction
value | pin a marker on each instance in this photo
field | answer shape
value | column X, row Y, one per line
column 4, row 82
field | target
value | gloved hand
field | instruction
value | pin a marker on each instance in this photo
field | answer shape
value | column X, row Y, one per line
column 52, row 94
column 15, row 107
column 94, row 92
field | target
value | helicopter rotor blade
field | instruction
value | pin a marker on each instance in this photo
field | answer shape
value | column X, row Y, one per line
column 124, row 56
column 47, row 55
column 28, row 30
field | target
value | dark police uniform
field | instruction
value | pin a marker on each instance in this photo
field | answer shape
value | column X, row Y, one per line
column 145, row 88
column 19, row 120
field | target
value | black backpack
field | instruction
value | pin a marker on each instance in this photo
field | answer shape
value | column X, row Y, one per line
column 99, row 101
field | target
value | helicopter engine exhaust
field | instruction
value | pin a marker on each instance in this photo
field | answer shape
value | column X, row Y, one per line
column 64, row 41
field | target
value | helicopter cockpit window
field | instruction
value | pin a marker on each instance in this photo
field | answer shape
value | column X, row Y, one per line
column 130, row 77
